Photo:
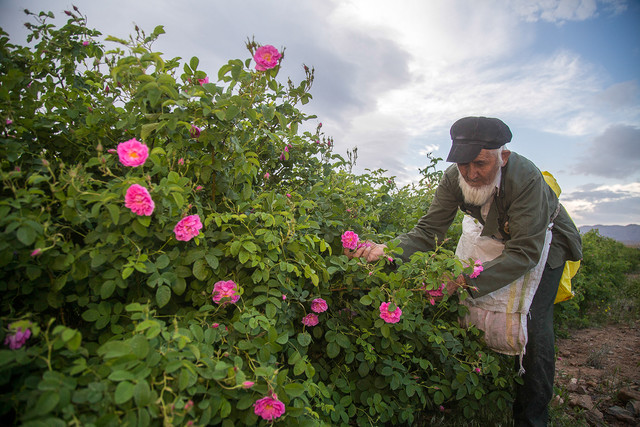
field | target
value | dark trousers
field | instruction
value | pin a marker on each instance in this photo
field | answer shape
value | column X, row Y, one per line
column 532, row 398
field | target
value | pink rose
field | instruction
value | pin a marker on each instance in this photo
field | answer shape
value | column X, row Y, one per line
column 36, row 252
column 199, row 187
column 195, row 132
column 85, row 43
column 478, row 370
column 435, row 294
column 9, row 121
column 389, row 316
column 225, row 290
column 188, row 228
column 284, row 297
column 18, row 339
column 132, row 153
column 269, row 408
column 139, row 200
column 247, row 384
column 181, row 161
column 203, row 81
column 350, row 240
column 215, row 325
column 319, row 305
column 477, row 269
column 266, row 57
column 266, row 175
column 310, row 320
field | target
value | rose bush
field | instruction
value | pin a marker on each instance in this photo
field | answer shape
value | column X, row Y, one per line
column 164, row 237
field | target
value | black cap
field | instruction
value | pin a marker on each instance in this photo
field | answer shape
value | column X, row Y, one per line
column 469, row 135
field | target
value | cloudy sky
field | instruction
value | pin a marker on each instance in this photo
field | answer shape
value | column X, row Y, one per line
column 392, row 76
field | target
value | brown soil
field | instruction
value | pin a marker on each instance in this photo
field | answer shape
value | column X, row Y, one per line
column 599, row 362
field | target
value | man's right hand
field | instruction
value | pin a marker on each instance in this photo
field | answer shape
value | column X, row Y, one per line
column 369, row 250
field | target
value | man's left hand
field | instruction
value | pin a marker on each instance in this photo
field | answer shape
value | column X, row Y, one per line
column 453, row 285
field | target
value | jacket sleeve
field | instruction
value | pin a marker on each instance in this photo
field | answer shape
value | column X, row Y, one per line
column 435, row 223
column 529, row 208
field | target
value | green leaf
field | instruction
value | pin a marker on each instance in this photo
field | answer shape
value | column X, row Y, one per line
column 26, row 235
column 142, row 394
column 366, row 300
column 148, row 128
column 162, row 261
column 438, row 398
column 193, row 63
column 333, row 350
column 121, row 375
column 107, row 288
column 163, row 295
column 304, row 339
column 139, row 346
column 294, row 390
column 200, row 270
column 271, row 311
column 114, row 212
column 124, row 392
column 343, row 341
column 91, row 315
column 385, row 331
column 47, row 401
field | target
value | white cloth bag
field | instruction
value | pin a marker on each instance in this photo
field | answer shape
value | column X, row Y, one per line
column 501, row 314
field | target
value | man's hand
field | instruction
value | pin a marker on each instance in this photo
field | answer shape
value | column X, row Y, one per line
column 369, row 250
column 453, row 285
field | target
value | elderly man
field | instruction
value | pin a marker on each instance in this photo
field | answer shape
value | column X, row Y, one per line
column 510, row 198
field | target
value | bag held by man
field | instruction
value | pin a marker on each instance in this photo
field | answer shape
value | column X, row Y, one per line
column 501, row 314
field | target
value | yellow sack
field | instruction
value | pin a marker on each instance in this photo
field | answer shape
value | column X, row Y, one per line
column 570, row 267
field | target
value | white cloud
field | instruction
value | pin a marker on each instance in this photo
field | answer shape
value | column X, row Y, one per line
column 430, row 148
column 560, row 11
column 604, row 204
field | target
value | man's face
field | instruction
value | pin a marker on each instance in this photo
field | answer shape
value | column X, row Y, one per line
column 482, row 170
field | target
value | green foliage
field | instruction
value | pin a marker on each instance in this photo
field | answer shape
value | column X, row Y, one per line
column 124, row 329
column 601, row 283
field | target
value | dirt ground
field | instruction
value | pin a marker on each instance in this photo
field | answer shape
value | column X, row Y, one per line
column 593, row 365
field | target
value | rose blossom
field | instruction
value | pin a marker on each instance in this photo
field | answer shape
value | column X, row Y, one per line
column 85, row 43
column 310, row 320
column 226, row 290
column 18, row 339
column 389, row 316
column 188, row 228
column 195, row 132
column 477, row 269
column 181, row 161
column 269, row 407
column 36, row 252
column 132, row 153
column 139, row 200
column 203, row 81
column 350, row 240
column 319, row 305
column 248, row 384
column 266, row 57
column 435, row 293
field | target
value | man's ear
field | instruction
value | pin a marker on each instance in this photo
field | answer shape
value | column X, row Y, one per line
column 505, row 157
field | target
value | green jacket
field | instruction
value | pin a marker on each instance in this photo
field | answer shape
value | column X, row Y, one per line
column 519, row 215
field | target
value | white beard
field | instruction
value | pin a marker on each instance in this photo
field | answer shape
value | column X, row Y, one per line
column 478, row 196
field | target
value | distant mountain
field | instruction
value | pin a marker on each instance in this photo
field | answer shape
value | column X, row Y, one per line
column 627, row 234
